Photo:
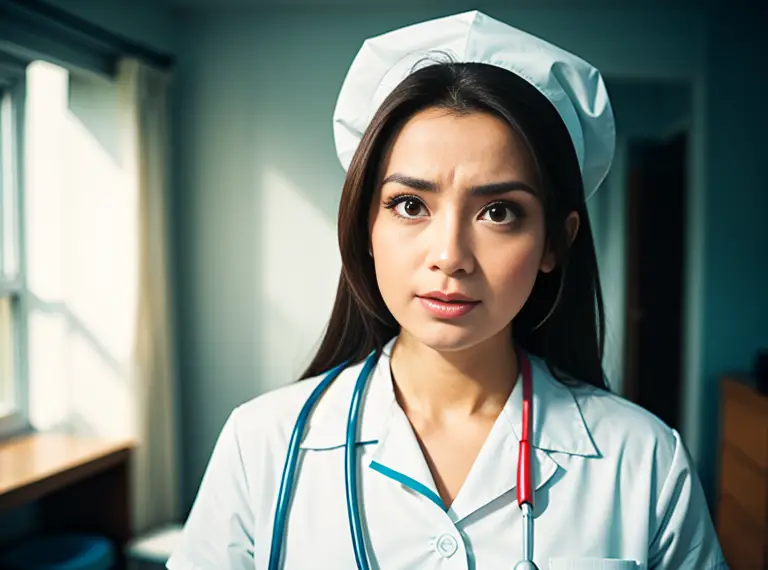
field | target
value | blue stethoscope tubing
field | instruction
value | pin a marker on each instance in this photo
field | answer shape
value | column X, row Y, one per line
column 351, row 466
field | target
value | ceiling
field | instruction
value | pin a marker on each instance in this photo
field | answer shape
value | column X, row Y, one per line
column 464, row 4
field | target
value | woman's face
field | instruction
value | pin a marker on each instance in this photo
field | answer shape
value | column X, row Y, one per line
column 457, row 234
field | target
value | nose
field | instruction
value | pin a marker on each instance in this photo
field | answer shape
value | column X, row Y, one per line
column 450, row 247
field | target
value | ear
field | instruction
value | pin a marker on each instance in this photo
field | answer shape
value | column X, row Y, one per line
column 548, row 261
column 572, row 226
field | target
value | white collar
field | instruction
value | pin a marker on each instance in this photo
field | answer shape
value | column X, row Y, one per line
column 558, row 427
column 558, row 424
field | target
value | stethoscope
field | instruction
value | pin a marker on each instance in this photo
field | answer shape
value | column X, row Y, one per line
column 524, row 474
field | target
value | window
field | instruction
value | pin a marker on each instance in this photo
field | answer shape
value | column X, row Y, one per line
column 12, row 278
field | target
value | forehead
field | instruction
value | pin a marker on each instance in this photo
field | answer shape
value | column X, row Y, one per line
column 441, row 145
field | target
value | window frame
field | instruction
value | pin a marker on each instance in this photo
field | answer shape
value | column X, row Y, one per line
column 13, row 84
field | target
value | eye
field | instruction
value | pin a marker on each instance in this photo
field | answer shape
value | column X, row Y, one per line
column 500, row 213
column 408, row 207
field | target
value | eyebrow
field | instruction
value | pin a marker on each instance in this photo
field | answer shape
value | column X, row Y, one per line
column 494, row 189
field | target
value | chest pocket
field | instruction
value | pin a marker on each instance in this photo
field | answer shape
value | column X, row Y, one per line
column 592, row 564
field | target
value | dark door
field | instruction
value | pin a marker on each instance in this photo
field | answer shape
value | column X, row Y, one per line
column 655, row 265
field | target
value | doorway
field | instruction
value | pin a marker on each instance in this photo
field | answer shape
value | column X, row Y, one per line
column 654, row 343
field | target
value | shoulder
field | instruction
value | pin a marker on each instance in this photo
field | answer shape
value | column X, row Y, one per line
column 628, row 432
column 651, row 462
column 617, row 427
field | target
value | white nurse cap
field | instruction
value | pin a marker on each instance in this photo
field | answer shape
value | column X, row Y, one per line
column 572, row 85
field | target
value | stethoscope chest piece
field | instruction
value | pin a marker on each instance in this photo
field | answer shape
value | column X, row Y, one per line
column 526, row 565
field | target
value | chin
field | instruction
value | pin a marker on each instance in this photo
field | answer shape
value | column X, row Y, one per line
column 449, row 336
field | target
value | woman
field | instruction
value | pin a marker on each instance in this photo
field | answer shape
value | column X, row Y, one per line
column 469, row 289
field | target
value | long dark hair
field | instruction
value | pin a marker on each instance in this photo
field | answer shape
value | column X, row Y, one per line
column 563, row 319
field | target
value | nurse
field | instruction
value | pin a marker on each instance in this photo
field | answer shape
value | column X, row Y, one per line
column 469, row 296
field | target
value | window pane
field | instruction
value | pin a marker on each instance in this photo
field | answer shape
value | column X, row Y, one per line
column 7, row 350
column 8, row 187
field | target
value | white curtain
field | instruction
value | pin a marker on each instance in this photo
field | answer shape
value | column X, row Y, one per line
column 143, row 95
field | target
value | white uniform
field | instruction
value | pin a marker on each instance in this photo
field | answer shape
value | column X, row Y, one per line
column 614, row 488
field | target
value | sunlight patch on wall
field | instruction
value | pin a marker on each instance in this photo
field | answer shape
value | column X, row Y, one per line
column 300, row 270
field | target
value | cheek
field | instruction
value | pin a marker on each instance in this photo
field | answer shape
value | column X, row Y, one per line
column 512, row 271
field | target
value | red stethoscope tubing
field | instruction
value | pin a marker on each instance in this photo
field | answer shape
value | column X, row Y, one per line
column 524, row 475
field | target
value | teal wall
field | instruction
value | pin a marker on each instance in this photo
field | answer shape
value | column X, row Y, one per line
column 255, row 166
column 735, row 240
column 255, row 133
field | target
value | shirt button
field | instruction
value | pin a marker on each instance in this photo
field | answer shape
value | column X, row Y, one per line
column 447, row 545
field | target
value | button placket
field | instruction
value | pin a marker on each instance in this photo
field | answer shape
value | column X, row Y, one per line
column 446, row 545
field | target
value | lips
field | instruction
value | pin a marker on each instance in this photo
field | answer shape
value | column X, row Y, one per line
column 448, row 297
column 447, row 305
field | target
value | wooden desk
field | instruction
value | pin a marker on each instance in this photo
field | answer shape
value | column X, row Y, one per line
column 79, row 484
column 742, row 509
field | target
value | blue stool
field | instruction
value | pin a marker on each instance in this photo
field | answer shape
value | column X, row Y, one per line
column 61, row 552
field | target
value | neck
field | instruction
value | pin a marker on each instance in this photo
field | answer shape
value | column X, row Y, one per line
column 438, row 385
